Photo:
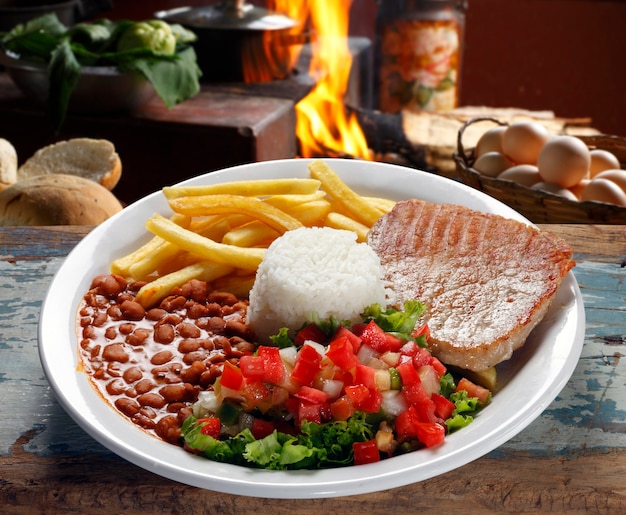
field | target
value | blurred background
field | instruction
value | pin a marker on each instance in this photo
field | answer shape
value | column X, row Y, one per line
column 566, row 56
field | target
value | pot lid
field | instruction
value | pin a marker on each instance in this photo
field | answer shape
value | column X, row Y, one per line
column 230, row 15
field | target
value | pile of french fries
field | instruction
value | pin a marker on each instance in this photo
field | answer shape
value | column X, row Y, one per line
column 218, row 233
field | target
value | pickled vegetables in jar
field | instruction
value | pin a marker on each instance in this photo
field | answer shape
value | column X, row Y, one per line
column 418, row 54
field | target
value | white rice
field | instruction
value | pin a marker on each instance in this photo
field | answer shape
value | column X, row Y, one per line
column 314, row 270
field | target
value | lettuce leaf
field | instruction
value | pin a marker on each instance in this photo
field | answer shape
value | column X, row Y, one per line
column 317, row 446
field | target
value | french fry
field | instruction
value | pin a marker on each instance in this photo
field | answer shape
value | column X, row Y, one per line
column 384, row 204
column 122, row 265
column 339, row 221
column 146, row 266
column 354, row 205
column 253, row 234
column 311, row 213
column 155, row 291
column 239, row 285
column 286, row 202
column 214, row 204
column 206, row 248
column 258, row 188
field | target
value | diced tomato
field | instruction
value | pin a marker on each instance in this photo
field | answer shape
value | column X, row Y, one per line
column 341, row 353
column 365, row 375
column 473, row 390
column 408, row 374
column 422, row 357
column 312, row 395
column 421, row 401
column 365, row 452
column 430, row 433
column 252, row 367
column 406, row 424
column 439, row 367
column 274, row 369
column 358, row 328
column 307, row 365
column 342, row 408
column 421, row 330
column 373, row 402
column 262, row 428
column 379, row 340
column 255, row 392
column 357, row 393
column 443, row 407
column 210, row 426
column 353, row 338
column 309, row 332
column 409, row 349
column 231, row 376
column 310, row 412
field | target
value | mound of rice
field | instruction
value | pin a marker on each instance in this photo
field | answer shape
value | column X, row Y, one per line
column 314, row 270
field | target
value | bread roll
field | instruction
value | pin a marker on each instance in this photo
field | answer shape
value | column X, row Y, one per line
column 93, row 159
column 56, row 199
column 8, row 164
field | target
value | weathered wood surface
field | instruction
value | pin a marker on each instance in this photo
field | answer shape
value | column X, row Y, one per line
column 572, row 459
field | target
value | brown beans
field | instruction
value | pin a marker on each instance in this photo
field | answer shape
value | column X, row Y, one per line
column 188, row 330
column 161, row 358
column 151, row 364
column 132, row 374
column 153, row 400
column 173, row 392
column 108, row 285
column 127, row 406
column 132, row 310
column 164, row 334
column 115, row 352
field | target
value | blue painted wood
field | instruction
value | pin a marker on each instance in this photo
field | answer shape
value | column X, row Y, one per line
column 587, row 421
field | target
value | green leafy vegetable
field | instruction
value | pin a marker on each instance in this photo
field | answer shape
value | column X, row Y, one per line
column 317, row 446
column 159, row 51
column 398, row 323
column 464, row 409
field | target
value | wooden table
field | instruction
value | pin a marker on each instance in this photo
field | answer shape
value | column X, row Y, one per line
column 572, row 459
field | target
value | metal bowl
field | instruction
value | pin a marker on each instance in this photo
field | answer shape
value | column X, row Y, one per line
column 99, row 90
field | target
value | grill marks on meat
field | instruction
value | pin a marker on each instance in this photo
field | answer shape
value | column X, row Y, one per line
column 487, row 281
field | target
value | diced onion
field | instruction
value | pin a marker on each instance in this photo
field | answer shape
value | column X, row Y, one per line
column 394, row 403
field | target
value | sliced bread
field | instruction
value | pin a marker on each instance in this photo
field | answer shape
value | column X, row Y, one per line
column 94, row 159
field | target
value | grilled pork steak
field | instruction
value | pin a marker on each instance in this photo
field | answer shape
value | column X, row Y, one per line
column 487, row 281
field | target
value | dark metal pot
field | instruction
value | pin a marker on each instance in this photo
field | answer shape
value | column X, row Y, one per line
column 231, row 32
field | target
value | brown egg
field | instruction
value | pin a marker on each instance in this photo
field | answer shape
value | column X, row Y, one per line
column 564, row 160
column 526, row 175
column 491, row 164
column 602, row 160
column 616, row 176
column 490, row 141
column 554, row 189
column 577, row 189
column 603, row 190
column 522, row 141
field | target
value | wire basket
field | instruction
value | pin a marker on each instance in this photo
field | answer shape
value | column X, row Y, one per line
column 539, row 206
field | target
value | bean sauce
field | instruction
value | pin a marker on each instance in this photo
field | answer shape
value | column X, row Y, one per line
column 150, row 365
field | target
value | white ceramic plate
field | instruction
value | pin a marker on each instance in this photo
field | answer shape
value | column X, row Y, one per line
column 532, row 379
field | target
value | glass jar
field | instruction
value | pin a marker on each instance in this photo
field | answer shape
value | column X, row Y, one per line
column 419, row 45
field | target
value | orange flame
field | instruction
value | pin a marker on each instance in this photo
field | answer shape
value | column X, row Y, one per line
column 323, row 126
